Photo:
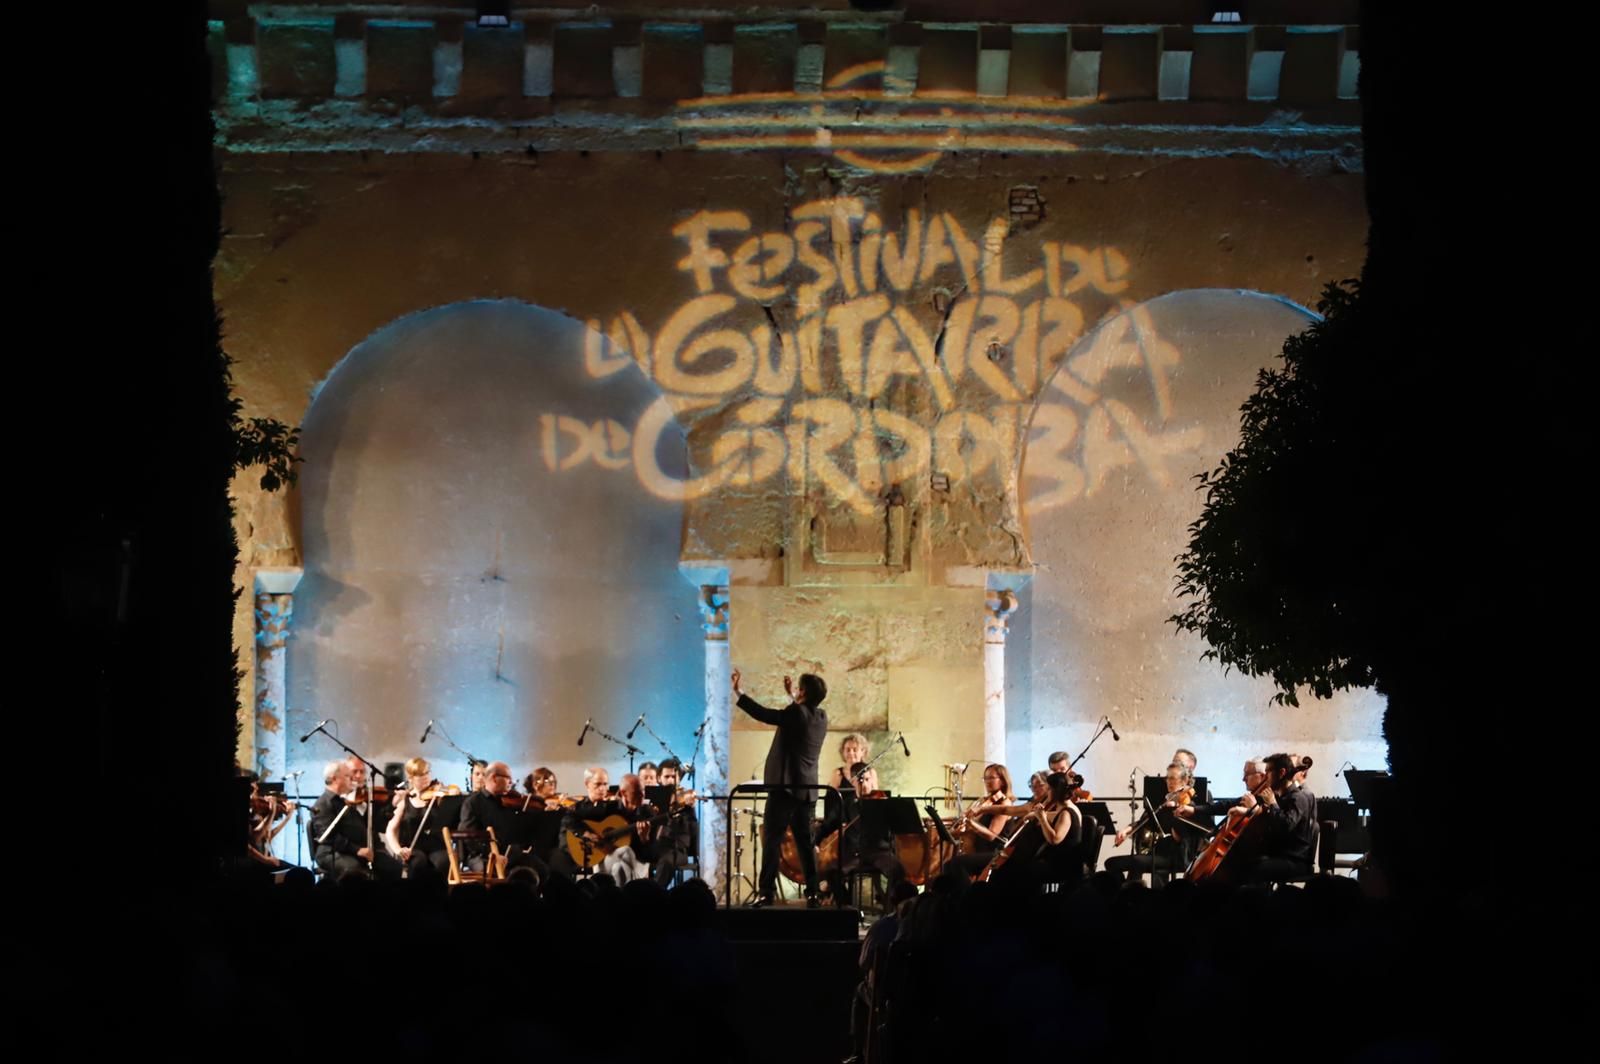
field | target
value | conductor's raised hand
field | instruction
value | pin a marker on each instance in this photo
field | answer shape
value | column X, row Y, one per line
column 788, row 688
column 736, row 688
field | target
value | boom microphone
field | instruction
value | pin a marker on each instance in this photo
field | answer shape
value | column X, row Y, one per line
column 586, row 726
column 320, row 725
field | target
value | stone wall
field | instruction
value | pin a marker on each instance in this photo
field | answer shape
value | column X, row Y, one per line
column 850, row 294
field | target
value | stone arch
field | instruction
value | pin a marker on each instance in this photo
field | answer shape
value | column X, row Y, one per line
column 480, row 550
column 1142, row 403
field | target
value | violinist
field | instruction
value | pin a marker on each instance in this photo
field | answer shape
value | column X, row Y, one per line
column 413, row 836
column 484, row 809
column 1061, row 823
column 1176, row 846
column 269, row 815
column 1061, row 762
column 677, row 840
column 983, row 826
column 858, row 847
column 541, row 785
column 339, row 829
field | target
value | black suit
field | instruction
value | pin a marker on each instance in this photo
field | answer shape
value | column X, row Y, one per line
column 337, row 854
column 791, row 765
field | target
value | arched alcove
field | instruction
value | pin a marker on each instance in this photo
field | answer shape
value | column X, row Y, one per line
column 1140, row 405
column 479, row 552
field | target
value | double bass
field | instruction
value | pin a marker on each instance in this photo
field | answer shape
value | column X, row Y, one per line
column 1205, row 865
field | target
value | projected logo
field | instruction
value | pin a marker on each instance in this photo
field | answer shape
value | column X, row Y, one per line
column 886, row 132
column 856, row 358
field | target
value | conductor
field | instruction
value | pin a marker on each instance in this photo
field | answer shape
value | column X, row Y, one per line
column 791, row 772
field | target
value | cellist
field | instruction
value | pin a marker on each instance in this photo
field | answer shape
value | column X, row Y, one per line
column 1289, row 823
column 856, row 848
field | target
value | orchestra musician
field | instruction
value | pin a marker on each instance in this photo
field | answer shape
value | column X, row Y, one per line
column 541, row 784
column 339, row 829
column 985, row 822
column 1286, row 838
column 1049, row 839
column 858, row 848
column 632, row 860
column 413, row 836
column 1061, row 762
column 596, row 804
column 676, row 841
column 1061, row 823
column 269, row 815
column 1176, row 847
column 790, row 772
column 852, row 748
column 483, row 810
column 649, row 774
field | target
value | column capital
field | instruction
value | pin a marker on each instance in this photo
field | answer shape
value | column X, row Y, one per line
column 273, row 615
column 998, row 605
column 713, row 604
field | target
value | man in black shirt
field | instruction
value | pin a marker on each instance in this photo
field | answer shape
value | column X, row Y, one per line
column 791, row 773
column 339, row 830
column 1289, row 834
column 678, row 838
column 483, row 810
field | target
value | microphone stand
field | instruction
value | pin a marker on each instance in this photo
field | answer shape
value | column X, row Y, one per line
column 451, row 743
column 632, row 750
column 374, row 773
column 1105, row 726
column 299, row 820
column 662, row 741
column 699, row 737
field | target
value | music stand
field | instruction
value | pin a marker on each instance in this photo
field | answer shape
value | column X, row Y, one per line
column 885, row 818
column 1101, row 813
column 898, row 815
column 660, row 796
column 1366, row 786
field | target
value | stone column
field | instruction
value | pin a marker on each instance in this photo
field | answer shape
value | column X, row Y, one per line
column 274, row 589
column 998, row 605
column 711, row 767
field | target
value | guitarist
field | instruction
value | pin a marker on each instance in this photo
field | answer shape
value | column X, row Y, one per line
column 632, row 859
column 596, row 804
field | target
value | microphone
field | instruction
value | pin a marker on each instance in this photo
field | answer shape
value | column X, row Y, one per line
column 425, row 733
column 636, row 725
column 586, row 726
column 320, row 725
column 1113, row 728
column 903, row 746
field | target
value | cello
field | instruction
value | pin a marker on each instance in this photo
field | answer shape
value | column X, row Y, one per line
column 1206, row 863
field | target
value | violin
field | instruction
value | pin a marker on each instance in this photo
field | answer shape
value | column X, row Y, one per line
column 380, row 794
column 269, row 804
column 436, row 790
column 1175, row 800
